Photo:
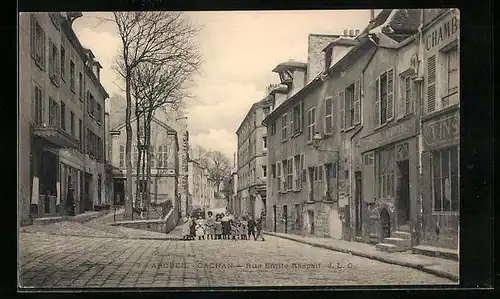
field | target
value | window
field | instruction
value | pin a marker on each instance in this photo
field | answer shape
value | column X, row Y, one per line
column 162, row 156
column 37, row 42
column 72, row 122
column 98, row 113
column 289, row 173
column 407, row 95
column 54, row 59
column 385, row 170
column 264, row 171
column 152, row 155
column 273, row 171
column 264, row 140
column 384, row 104
column 37, row 105
column 99, row 187
column 431, row 83
column 296, row 121
column 445, row 180
column 53, row 113
column 90, row 103
column 311, row 123
column 80, row 85
column 273, row 128
column 298, row 173
column 349, row 106
column 282, row 176
column 328, row 58
column 80, row 128
column 63, row 116
column 328, row 115
column 453, row 77
column 284, row 124
column 266, row 111
column 72, row 75
column 303, row 167
column 135, row 154
column 320, row 173
column 63, row 63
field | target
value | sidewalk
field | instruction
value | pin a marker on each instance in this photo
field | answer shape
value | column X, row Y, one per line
column 436, row 266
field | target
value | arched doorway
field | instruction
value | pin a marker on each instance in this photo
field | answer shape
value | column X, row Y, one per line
column 385, row 224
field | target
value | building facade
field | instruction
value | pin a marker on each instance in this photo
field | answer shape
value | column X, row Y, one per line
column 201, row 188
column 252, row 163
column 61, row 119
column 165, row 166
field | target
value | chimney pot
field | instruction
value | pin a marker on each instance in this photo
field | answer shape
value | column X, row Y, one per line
column 351, row 32
column 345, row 32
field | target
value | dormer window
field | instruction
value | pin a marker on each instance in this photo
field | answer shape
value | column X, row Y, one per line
column 328, row 58
column 285, row 76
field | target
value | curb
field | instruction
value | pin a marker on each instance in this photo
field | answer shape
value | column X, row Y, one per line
column 420, row 267
column 110, row 237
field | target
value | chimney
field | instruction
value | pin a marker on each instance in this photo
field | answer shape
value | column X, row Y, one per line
column 345, row 32
column 357, row 33
column 351, row 32
column 372, row 14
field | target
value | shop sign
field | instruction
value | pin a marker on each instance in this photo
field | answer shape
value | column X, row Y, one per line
column 443, row 131
column 389, row 135
column 445, row 31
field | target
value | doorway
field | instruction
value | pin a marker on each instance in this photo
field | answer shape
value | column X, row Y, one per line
column 119, row 191
column 274, row 218
column 310, row 219
column 385, row 224
column 88, row 192
column 285, row 216
column 403, row 194
column 358, row 204
column 311, row 183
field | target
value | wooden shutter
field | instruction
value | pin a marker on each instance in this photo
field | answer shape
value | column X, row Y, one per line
column 301, row 116
column 390, row 94
column 342, row 109
column 292, row 115
column 431, row 83
column 328, row 116
column 368, row 179
column 357, row 102
column 303, row 168
column 33, row 35
column 376, row 108
column 43, row 54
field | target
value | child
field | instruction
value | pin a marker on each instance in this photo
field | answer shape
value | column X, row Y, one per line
column 234, row 229
column 186, row 230
column 210, row 226
column 243, row 229
column 218, row 229
column 192, row 229
column 200, row 230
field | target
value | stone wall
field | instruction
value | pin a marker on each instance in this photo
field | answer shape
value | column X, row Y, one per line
column 315, row 54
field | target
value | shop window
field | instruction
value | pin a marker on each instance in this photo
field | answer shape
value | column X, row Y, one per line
column 445, row 180
column 385, row 170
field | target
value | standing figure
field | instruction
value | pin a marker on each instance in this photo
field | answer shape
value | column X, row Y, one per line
column 225, row 228
column 200, row 229
column 234, row 229
column 243, row 229
column 186, row 229
column 218, row 227
column 258, row 226
column 210, row 226
column 70, row 200
column 192, row 228
column 251, row 228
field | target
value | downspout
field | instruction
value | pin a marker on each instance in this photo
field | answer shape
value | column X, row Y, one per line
column 420, row 113
column 84, row 140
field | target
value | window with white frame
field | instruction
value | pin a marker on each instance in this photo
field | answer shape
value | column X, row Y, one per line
column 284, row 124
column 54, row 60
column 407, row 95
column 289, row 174
column 349, row 106
column 279, row 175
column 386, row 173
column 445, row 180
column 384, row 98
column 54, row 113
column 297, row 116
column 273, row 128
column 122, row 155
column 311, row 123
column 298, row 172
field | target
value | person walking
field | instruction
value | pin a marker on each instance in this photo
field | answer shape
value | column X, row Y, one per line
column 70, row 200
column 251, row 228
column 186, row 229
column 258, row 227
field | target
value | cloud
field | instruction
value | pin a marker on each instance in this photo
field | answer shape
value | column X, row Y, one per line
column 219, row 140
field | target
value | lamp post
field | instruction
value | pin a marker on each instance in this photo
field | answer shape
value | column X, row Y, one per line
column 316, row 140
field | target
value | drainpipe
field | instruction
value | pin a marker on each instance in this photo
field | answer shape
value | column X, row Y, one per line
column 420, row 98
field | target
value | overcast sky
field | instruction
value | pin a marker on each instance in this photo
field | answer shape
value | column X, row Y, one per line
column 239, row 51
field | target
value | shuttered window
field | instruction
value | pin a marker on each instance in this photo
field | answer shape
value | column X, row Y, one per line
column 311, row 123
column 328, row 115
column 357, row 102
column 289, row 176
column 342, row 110
column 278, row 174
column 284, row 124
column 431, row 84
column 303, row 168
column 384, row 98
column 349, row 106
column 297, row 172
column 376, row 104
column 54, row 59
column 122, row 155
column 390, row 95
column 37, row 42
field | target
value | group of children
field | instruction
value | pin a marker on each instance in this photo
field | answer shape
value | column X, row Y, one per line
column 221, row 227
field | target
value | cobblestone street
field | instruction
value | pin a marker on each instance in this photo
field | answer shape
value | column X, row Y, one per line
column 48, row 260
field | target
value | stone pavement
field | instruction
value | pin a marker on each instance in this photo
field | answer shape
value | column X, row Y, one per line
column 440, row 267
column 64, row 261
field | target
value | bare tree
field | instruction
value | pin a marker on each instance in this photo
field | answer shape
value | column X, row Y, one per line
column 201, row 155
column 150, row 40
column 220, row 167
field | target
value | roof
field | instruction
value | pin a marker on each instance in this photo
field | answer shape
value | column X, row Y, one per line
column 342, row 41
column 120, row 126
column 290, row 64
column 397, row 24
column 253, row 107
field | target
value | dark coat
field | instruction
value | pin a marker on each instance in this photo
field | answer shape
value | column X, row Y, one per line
column 258, row 224
column 251, row 225
column 192, row 227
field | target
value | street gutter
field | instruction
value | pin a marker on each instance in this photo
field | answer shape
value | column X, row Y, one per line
column 431, row 269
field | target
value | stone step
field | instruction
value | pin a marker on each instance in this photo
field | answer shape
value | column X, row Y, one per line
column 404, row 228
column 401, row 235
column 374, row 238
column 386, row 247
column 433, row 251
column 399, row 242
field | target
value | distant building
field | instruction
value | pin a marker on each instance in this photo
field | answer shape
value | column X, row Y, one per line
column 201, row 188
column 61, row 119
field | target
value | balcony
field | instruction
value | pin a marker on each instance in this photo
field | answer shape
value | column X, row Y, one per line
column 55, row 136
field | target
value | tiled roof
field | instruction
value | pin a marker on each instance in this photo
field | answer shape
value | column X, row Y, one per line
column 290, row 63
column 404, row 24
